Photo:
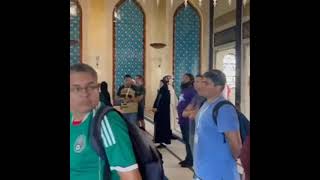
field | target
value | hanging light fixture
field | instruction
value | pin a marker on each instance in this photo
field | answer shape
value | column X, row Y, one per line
column 185, row 3
column 229, row 1
column 117, row 15
column 245, row 2
column 171, row 3
column 73, row 9
column 214, row 3
column 158, row 1
column 200, row 2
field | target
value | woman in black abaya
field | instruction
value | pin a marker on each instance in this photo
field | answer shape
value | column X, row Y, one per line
column 161, row 107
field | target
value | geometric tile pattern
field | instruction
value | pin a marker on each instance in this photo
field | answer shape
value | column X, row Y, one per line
column 186, row 44
column 129, row 41
column 74, row 39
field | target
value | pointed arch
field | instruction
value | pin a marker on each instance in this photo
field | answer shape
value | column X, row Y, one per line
column 128, row 41
column 186, row 42
column 75, row 33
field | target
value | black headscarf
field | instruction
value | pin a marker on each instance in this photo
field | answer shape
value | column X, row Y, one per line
column 187, row 84
column 104, row 94
column 104, row 87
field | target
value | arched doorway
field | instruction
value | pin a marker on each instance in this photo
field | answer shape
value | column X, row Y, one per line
column 187, row 43
column 128, row 41
column 75, row 32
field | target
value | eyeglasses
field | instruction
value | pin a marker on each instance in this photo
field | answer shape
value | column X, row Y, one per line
column 89, row 89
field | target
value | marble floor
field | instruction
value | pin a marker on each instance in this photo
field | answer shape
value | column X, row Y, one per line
column 172, row 155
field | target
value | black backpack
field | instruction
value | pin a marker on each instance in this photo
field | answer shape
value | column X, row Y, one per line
column 244, row 123
column 148, row 158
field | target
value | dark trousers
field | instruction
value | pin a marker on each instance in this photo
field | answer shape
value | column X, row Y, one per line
column 192, row 128
column 185, row 129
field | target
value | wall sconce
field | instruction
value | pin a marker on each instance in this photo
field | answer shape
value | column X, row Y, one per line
column 97, row 65
column 97, row 61
column 159, row 62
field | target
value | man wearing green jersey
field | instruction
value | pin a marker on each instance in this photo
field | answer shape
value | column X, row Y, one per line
column 85, row 164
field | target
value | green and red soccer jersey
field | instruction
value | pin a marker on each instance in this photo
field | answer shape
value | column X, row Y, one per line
column 85, row 164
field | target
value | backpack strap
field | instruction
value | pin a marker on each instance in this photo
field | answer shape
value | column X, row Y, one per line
column 96, row 140
column 217, row 107
column 216, row 110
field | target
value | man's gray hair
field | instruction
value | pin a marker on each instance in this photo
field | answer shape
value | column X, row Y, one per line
column 83, row 68
column 216, row 76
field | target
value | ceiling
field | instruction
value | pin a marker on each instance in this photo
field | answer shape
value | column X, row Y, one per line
column 223, row 7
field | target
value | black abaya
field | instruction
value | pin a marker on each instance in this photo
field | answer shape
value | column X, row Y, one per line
column 162, row 130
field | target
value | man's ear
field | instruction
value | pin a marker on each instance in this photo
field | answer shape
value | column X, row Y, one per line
column 222, row 88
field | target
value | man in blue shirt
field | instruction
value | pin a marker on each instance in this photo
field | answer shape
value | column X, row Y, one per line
column 216, row 146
